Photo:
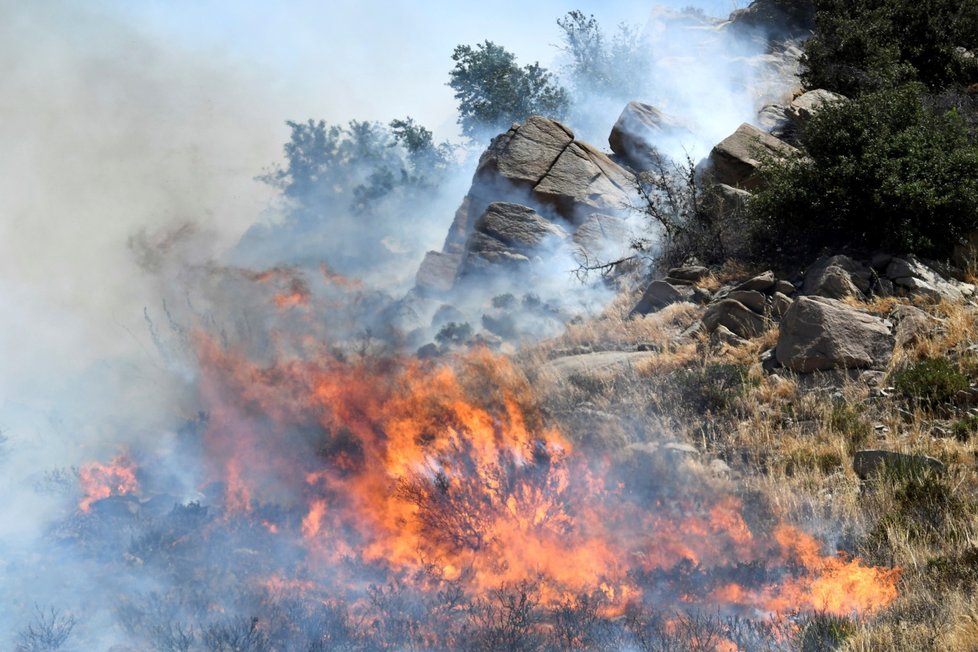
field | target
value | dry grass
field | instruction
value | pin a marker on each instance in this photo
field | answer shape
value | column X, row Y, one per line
column 793, row 444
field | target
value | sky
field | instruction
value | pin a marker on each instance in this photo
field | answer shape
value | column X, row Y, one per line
column 127, row 118
column 368, row 59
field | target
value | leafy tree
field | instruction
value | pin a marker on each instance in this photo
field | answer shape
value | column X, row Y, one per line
column 619, row 68
column 881, row 171
column 861, row 46
column 335, row 176
column 493, row 91
column 358, row 164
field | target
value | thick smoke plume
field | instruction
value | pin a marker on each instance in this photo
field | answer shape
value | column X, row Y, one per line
column 213, row 450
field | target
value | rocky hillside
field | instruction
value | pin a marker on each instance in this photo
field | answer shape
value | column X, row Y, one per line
column 840, row 390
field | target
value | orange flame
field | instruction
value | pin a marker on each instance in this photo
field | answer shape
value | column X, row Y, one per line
column 99, row 481
column 410, row 466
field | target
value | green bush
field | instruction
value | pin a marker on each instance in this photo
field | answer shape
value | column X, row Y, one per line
column 963, row 429
column 824, row 631
column 850, row 422
column 713, row 388
column 925, row 506
column 932, row 382
column 868, row 45
column 883, row 171
column 959, row 570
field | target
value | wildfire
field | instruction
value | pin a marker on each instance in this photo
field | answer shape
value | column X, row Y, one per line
column 101, row 480
column 450, row 470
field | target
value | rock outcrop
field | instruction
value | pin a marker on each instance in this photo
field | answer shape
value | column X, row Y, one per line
column 437, row 272
column 776, row 18
column 538, row 165
column 736, row 159
column 837, row 277
column 506, row 235
column 818, row 334
column 640, row 132
column 806, row 105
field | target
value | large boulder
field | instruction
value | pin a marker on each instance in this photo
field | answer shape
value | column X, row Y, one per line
column 735, row 317
column 913, row 276
column 507, row 234
column 606, row 237
column 837, row 277
column 437, row 272
column 806, row 105
column 541, row 165
column 818, row 334
column 639, row 133
column 660, row 294
column 736, row 159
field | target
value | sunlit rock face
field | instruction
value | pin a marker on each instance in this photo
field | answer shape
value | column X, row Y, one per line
column 540, row 166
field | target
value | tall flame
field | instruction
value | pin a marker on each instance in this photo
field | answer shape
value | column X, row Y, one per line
column 411, row 466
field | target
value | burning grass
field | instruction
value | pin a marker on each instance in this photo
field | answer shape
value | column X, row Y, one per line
column 362, row 502
column 388, row 503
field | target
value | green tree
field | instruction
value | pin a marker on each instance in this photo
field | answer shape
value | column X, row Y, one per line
column 348, row 189
column 883, row 170
column 619, row 68
column 493, row 91
column 861, row 46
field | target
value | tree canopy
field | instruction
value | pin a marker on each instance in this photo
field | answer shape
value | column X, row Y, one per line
column 883, row 170
column 866, row 45
column 493, row 91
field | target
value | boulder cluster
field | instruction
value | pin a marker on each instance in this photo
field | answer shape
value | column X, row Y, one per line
column 820, row 327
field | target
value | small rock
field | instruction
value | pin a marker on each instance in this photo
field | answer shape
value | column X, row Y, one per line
column 760, row 283
column 701, row 296
column 750, row 298
column 784, row 287
column 723, row 335
column 780, row 304
column 872, row 378
column 719, row 467
column 689, row 273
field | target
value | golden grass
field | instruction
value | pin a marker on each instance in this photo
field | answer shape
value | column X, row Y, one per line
column 793, row 445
